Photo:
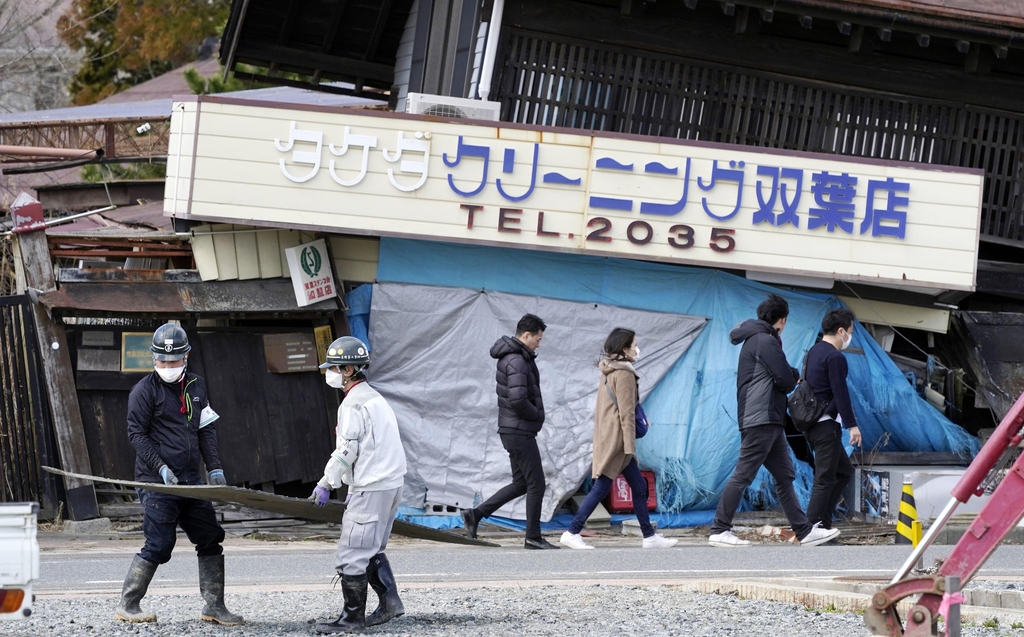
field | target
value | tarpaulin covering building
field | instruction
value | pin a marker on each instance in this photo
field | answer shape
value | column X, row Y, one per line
column 429, row 331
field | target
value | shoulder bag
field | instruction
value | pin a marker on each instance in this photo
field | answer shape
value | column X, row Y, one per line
column 639, row 417
column 804, row 407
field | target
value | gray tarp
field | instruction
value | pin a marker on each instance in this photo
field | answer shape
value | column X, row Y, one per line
column 430, row 360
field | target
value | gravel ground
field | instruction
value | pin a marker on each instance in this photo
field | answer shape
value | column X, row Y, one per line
column 592, row 610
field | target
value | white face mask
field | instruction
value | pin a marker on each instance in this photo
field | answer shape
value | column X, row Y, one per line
column 636, row 353
column 847, row 340
column 334, row 379
column 170, row 374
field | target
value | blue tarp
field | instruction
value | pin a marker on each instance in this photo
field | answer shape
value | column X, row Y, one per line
column 560, row 522
column 694, row 444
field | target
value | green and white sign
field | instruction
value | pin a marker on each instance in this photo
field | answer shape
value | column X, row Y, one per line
column 311, row 273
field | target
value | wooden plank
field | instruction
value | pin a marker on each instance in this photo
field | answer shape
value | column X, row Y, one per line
column 247, row 256
column 286, row 239
column 205, row 253
column 57, row 370
column 224, row 248
column 269, row 254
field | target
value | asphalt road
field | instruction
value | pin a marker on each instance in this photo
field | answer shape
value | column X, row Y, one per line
column 100, row 567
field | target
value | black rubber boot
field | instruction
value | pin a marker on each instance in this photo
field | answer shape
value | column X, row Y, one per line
column 353, row 617
column 382, row 580
column 211, row 585
column 140, row 574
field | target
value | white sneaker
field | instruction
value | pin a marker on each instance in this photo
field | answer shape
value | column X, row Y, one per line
column 727, row 540
column 573, row 541
column 819, row 535
column 657, row 541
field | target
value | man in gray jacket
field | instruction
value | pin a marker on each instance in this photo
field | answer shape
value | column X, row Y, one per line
column 763, row 379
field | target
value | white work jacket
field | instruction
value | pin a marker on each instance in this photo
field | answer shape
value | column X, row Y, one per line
column 365, row 419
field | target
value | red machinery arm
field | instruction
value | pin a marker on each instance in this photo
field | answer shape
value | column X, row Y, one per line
column 997, row 518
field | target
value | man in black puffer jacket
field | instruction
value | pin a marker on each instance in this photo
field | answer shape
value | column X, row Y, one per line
column 763, row 379
column 520, row 417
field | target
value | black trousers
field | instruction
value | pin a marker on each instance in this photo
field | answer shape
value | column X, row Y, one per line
column 764, row 445
column 527, row 479
column 832, row 471
column 163, row 513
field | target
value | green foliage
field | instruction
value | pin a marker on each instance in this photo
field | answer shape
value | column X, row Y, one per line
column 126, row 42
column 123, row 172
column 991, row 623
column 1017, row 625
column 214, row 84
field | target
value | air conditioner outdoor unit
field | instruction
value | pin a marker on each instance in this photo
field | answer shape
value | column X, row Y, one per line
column 444, row 106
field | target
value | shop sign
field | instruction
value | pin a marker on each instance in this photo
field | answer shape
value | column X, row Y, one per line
column 290, row 353
column 638, row 197
column 135, row 353
column 311, row 273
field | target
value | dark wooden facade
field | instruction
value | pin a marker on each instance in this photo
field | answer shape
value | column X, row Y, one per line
column 703, row 75
column 273, row 428
column 26, row 430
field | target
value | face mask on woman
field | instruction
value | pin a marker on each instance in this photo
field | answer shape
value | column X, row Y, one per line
column 636, row 353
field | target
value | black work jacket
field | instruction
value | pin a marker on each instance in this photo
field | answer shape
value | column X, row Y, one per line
column 163, row 435
column 520, row 405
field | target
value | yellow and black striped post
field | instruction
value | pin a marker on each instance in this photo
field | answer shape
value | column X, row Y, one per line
column 906, row 524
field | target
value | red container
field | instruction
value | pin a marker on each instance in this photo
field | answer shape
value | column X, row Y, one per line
column 620, row 500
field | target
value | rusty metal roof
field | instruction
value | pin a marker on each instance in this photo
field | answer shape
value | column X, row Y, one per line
column 261, row 296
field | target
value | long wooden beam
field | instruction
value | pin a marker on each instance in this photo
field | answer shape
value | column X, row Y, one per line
column 33, row 252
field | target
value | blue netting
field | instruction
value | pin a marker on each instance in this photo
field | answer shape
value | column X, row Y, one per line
column 694, row 443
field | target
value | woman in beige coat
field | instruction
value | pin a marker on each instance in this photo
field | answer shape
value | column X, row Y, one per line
column 615, row 439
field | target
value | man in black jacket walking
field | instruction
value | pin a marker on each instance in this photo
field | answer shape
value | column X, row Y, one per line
column 826, row 372
column 170, row 424
column 520, row 417
column 763, row 379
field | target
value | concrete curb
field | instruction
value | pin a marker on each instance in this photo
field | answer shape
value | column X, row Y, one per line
column 97, row 526
column 855, row 597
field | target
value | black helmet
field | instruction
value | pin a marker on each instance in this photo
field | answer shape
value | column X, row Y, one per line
column 170, row 343
column 347, row 350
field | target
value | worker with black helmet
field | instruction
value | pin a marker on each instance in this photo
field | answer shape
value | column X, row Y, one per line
column 369, row 458
column 170, row 424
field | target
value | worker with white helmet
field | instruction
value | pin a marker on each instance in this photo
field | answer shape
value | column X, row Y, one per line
column 369, row 458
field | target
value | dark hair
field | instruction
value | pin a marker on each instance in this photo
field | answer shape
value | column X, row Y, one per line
column 772, row 309
column 530, row 323
column 618, row 342
column 836, row 319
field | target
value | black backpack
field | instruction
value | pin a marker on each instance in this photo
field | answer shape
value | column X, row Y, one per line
column 804, row 407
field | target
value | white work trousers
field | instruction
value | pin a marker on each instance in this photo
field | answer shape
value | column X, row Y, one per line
column 365, row 528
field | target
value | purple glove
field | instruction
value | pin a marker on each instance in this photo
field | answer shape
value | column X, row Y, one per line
column 320, row 496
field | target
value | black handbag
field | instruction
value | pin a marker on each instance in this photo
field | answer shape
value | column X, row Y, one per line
column 639, row 417
column 804, row 407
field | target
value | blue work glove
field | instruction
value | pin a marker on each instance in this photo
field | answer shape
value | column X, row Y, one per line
column 168, row 475
column 320, row 496
column 217, row 478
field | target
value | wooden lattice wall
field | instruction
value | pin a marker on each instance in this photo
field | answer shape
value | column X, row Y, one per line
column 554, row 81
